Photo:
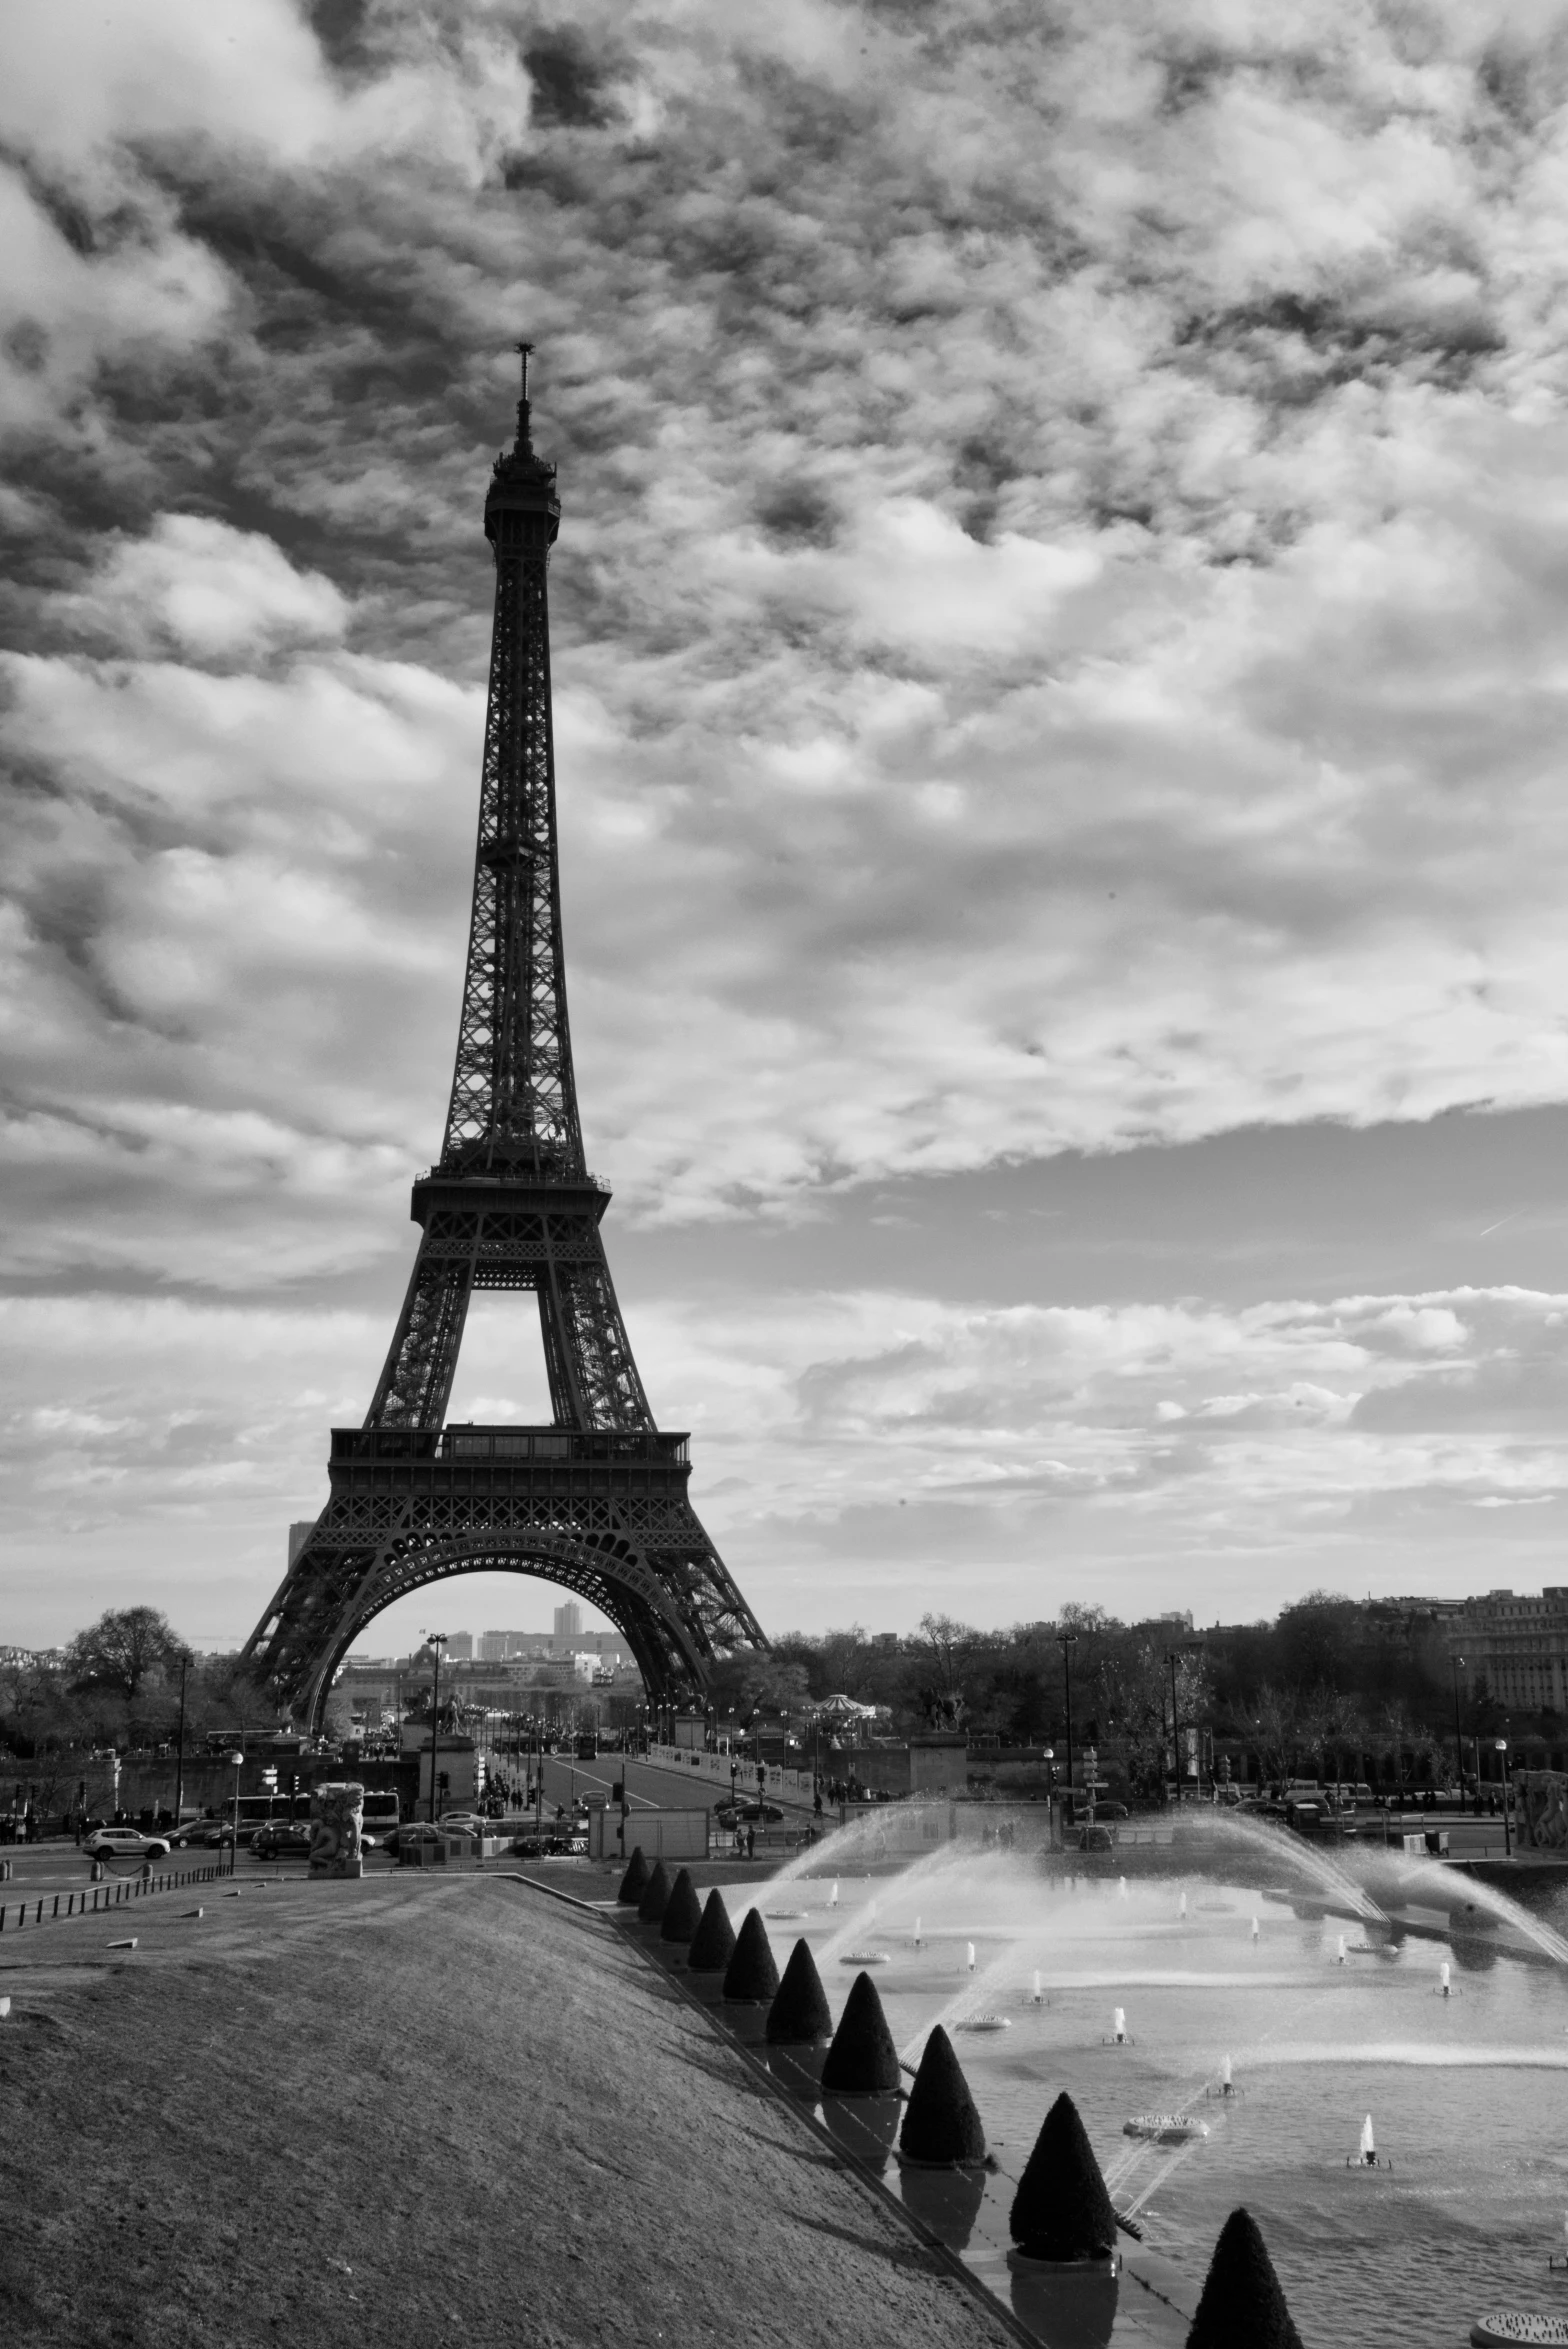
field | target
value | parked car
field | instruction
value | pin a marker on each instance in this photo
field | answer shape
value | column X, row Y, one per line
column 461, row 1823
column 125, row 1843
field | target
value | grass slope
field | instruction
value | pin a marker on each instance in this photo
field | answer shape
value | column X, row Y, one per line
column 413, row 2111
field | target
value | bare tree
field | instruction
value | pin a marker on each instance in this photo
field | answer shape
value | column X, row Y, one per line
column 1278, row 1725
column 122, row 1650
column 946, row 1647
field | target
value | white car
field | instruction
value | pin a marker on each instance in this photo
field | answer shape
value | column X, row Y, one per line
column 125, row 1843
column 461, row 1823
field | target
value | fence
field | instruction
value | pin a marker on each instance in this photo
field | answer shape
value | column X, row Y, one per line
column 100, row 1898
column 791, row 1786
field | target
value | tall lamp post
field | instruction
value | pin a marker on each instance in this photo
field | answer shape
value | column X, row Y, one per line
column 1170, row 1658
column 1502, row 1755
column 179, row 1750
column 435, row 1641
column 236, row 1764
column 1459, row 1745
column 1067, row 1641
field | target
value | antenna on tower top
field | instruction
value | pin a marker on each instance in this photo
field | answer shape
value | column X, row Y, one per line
column 524, row 437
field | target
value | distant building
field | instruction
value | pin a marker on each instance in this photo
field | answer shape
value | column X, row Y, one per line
column 568, row 1620
column 1514, row 1648
column 459, row 1647
column 299, row 1535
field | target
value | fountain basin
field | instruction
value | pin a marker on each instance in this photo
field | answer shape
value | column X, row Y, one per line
column 1166, row 2128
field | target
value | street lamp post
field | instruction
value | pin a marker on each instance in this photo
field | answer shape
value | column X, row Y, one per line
column 1459, row 1748
column 1067, row 1641
column 1508, row 1843
column 435, row 1641
column 237, row 1764
column 1170, row 1658
column 179, row 1750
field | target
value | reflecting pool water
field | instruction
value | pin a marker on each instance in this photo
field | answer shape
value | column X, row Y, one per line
column 1241, row 1961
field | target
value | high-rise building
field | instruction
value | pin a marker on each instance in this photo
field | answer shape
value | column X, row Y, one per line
column 299, row 1535
column 568, row 1620
column 494, row 1647
column 460, row 1647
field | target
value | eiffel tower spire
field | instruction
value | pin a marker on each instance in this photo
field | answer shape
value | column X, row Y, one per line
column 597, row 1500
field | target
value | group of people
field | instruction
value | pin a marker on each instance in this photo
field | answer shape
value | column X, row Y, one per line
column 850, row 1790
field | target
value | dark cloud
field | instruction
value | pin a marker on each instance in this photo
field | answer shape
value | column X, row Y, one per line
column 570, row 83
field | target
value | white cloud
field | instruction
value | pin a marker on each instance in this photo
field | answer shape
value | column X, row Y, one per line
column 1058, row 645
column 209, row 589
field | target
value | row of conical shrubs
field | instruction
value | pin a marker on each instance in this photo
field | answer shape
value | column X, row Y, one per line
column 1061, row 2212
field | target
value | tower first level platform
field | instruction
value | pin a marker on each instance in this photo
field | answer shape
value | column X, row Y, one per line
column 603, row 1511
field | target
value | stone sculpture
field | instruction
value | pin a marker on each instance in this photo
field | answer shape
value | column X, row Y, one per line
column 337, row 1816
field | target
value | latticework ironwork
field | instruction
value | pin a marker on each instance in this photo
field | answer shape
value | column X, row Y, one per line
column 598, row 1500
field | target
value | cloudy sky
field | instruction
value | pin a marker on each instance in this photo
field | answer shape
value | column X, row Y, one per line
column 1061, row 654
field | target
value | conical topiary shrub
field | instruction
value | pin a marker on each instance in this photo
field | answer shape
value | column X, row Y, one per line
column 800, row 2015
column 1061, row 2210
column 1242, row 2306
column 713, row 1943
column 635, row 1881
column 683, row 1910
column 940, row 2120
column 862, row 2060
column 655, row 1895
column 751, row 1978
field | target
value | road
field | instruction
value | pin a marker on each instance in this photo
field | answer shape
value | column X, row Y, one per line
column 565, row 1781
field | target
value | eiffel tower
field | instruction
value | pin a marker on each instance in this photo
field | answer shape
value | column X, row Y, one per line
column 598, row 1500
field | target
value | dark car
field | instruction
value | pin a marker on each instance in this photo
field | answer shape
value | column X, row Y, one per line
column 732, row 1815
column 282, row 1839
column 210, row 1834
column 1093, row 1837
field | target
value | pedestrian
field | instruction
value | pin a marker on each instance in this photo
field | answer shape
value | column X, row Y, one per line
column 751, row 1843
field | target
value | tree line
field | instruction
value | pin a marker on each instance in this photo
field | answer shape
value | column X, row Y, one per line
column 1328, row 1681
column 119, row 1683
column 1329, row 1677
